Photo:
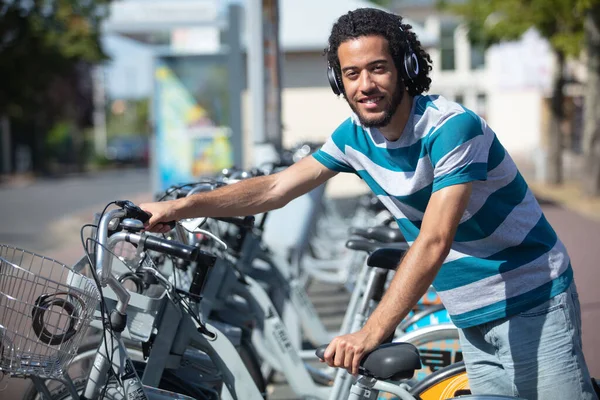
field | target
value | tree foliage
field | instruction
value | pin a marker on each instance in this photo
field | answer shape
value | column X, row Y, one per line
column 559, row 21
column 382, row 3
column 493, row 21
column 47, row 50
column 41, row 41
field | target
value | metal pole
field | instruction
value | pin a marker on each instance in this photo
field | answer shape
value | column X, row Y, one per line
column 273, row 73
column 99, row 112
column 236, row 85
column 256, row 69
column 6, row 145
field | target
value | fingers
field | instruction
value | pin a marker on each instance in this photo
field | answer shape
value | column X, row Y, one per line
column 155, row 223
column 330, row 353
column 340, row 354
column 344, row 353
column 349, row 359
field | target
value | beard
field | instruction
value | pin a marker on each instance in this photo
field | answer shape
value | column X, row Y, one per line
column 388, row 112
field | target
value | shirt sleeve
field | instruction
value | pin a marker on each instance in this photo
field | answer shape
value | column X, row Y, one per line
column 459, row 150
column 331, row 154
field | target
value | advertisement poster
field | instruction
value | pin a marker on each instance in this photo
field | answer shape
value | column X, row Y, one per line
column 191, row 120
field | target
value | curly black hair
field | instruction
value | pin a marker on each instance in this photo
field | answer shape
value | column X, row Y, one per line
column 371, row 21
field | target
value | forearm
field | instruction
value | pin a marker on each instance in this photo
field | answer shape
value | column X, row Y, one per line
column 415, row 274
column 247, row 197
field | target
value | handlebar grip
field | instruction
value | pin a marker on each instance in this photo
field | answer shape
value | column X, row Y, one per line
column 242, row 222
column 175, row 249
column 320, row 351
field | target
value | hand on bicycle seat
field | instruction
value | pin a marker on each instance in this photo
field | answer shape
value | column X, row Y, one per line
column 346, row 351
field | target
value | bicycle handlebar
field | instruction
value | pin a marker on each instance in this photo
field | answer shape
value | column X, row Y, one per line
column 175, row 249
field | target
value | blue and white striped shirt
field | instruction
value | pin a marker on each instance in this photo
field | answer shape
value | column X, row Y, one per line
column 505, row 258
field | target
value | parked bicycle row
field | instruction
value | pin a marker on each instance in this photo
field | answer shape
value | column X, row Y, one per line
column 212, row 308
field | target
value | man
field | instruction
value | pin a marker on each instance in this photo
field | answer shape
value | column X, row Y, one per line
column 476, row 231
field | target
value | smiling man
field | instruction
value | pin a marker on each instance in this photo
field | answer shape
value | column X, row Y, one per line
column 475, row 229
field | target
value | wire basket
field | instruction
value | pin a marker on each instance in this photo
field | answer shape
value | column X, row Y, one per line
column 45, row 310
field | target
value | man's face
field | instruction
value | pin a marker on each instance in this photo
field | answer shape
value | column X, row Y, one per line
column 371, row 83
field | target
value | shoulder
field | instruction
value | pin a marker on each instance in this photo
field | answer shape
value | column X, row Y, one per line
column 436, row 109
column 443, row 115
column 347, row 132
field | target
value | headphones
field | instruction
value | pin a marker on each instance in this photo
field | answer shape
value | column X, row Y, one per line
column 410, row 70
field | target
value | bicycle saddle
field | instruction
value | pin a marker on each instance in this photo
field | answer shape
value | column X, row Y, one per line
column 363, row 245
column 390, row 361
column 368, row 246
column 387, row 258
column 382, row 234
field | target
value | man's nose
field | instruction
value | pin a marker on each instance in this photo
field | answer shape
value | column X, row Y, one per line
column 366, row 83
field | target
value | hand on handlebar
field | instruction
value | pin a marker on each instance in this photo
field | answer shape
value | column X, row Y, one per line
column 162, row 214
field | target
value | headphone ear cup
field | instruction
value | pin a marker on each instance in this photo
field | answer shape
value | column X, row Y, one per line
column 411, row 65
column 334, row 82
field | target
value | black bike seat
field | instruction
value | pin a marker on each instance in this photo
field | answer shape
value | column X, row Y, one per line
column 380, row 233
column 363, row 245
column 387, row 258
column 390, row 361
column 386, row 234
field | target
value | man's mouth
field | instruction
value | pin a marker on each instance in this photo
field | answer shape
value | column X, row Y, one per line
column 371, row 102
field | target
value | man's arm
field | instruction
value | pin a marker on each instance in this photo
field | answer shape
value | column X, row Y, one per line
column 247, row 197
column 414, row 276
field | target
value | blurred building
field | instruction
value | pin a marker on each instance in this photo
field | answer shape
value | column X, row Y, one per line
column 508, row 84
column 309, row 109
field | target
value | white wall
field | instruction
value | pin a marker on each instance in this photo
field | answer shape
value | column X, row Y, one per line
column 515, row 116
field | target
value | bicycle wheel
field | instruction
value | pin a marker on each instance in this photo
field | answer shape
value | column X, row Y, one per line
column 438, row 346
column 445, row 383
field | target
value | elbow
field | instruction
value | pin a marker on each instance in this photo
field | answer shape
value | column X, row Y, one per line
column 438, row 245
column 278, row 196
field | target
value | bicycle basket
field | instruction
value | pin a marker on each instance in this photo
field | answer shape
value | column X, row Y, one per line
column 45, row 310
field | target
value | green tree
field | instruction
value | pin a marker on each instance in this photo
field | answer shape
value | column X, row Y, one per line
column 47, row 49
column 382, row 3
column 559, row 21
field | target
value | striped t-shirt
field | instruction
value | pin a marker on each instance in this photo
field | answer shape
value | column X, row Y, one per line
column 505, row 258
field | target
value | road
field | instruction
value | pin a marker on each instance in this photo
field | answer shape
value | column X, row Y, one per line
column 45, row 216
column 581, row 236
column 36, row 216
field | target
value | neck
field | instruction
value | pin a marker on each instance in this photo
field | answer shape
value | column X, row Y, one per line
column 394, row 129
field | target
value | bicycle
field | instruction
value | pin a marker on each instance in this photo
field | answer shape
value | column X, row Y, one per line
column 114, row 374
column 271, row 339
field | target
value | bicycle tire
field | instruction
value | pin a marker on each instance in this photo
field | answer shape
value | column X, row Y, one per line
column 438, row 346
column 445, row 383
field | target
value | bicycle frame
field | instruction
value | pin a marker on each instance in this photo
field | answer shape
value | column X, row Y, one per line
column 183, row 333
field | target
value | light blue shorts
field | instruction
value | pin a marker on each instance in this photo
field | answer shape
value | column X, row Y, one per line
column 536, row 354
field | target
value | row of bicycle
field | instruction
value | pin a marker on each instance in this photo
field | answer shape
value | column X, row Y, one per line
column 213, row 309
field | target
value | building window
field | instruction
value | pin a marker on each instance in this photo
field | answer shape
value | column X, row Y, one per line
column 447, row 47
column 459, row 98
column 477, row 57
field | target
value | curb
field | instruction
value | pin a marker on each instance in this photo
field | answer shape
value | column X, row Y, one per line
column 568, row 195
column 67, row 229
